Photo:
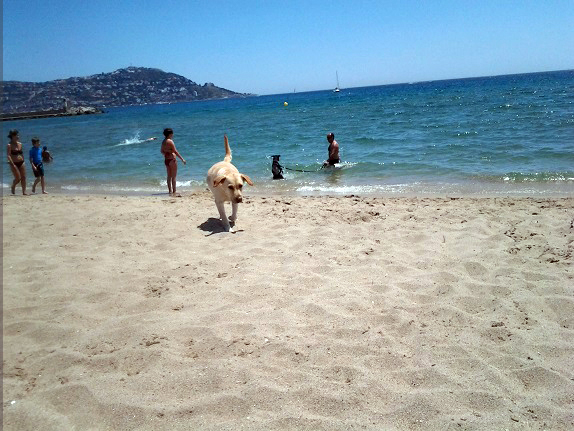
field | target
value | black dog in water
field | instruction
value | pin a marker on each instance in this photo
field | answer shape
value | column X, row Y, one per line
column 276, row 168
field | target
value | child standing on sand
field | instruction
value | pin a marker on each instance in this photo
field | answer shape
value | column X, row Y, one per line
column 37, row 165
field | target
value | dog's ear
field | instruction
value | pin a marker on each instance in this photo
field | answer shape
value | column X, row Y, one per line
column 246, row 179
column 218, row 180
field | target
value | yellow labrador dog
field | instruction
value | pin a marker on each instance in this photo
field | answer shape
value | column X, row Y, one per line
column 225, row 182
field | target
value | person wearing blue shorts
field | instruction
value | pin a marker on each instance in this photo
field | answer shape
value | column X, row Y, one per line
column 37, row 165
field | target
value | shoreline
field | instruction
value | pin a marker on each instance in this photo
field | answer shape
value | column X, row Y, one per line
column 206, row 197
column 319, row 313
column 270, row 188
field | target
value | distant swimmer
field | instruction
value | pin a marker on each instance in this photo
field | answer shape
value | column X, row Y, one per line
column 46, row 156
column 333, row 151
column 151, row 139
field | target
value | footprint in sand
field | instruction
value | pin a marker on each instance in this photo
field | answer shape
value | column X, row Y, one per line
column 475, row 269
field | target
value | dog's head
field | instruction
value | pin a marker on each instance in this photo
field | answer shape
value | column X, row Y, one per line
column 232, row 185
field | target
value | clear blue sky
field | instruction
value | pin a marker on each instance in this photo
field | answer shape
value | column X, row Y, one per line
column 275, row 46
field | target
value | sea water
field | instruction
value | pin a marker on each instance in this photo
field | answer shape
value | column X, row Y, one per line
column 504, row 135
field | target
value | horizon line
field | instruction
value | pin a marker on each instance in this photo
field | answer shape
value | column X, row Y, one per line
column 310, row 91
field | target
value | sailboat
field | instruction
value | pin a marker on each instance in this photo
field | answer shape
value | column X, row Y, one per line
column 336, row 90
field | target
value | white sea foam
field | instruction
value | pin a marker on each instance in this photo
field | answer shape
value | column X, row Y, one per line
column 130, row 188
column 130, row 141
column 355, row 189
column 537, row 177
column 188, row 183
column 136, row 139
column 111, row 189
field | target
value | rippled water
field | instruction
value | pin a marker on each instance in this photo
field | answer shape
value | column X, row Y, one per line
column 498, row 135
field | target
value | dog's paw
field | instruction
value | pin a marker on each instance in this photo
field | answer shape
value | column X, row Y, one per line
column 229, row 229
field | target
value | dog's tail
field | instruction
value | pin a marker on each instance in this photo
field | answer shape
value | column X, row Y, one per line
column 227, row 150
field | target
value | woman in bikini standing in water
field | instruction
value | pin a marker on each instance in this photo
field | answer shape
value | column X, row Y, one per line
column 169, row 152
column 16, row 161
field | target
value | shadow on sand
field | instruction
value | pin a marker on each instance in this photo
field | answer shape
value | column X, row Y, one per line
column 214, row 225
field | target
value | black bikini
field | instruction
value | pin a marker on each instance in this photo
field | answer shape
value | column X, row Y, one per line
column 18, row 153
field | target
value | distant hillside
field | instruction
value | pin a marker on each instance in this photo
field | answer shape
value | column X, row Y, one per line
column 130, row 86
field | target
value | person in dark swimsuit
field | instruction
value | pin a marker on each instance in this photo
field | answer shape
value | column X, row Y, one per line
column 170, row 152
column 333, row 151
column 16, row 161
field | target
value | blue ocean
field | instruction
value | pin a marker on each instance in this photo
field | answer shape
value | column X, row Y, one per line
column 503, row 135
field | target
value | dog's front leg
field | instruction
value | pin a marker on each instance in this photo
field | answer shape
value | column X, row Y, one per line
column 234, row 207
column 221, row 209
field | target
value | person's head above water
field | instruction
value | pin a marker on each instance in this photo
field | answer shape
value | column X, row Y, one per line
column 331, row 137
column 167, row 132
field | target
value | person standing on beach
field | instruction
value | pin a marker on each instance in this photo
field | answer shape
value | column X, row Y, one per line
column 37, row 165
column 169, row 152
column 333, row 151
column 16, row 161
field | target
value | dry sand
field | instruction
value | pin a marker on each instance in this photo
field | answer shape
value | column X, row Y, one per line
column 346, row 313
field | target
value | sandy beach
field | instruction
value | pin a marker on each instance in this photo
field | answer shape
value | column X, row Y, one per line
column 321, row 313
